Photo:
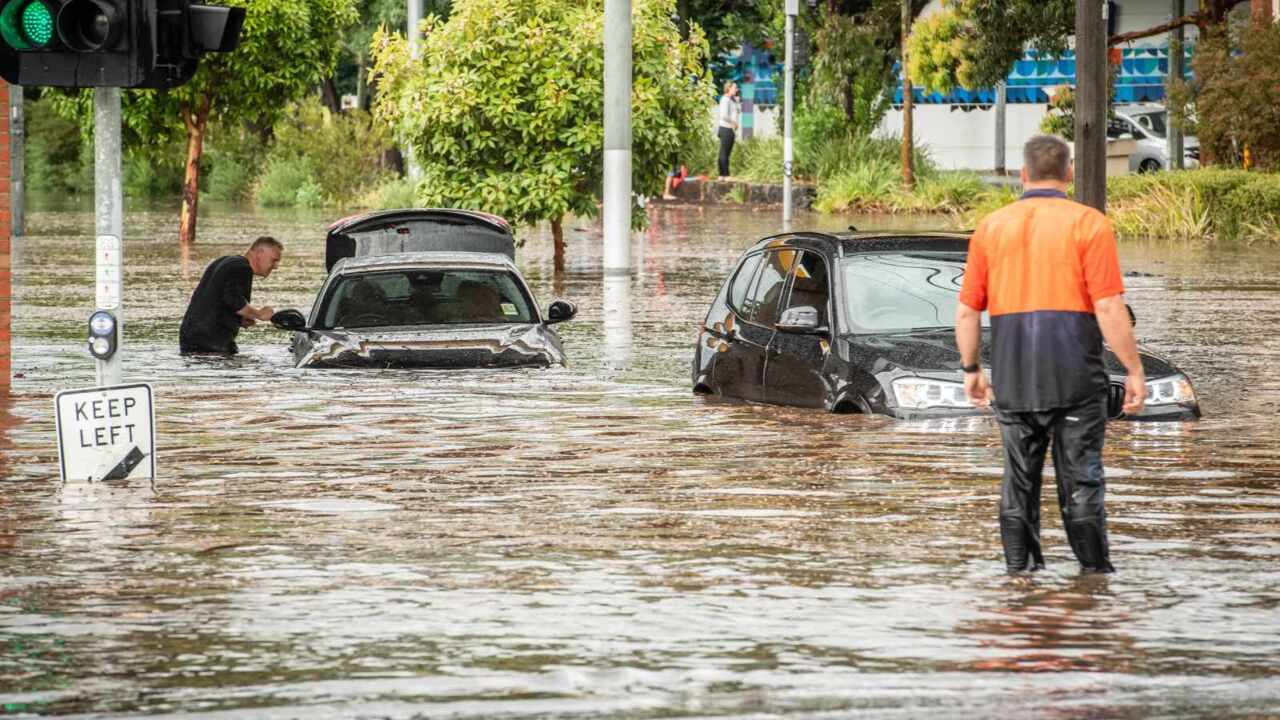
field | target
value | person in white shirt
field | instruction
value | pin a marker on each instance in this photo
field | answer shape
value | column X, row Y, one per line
column 728, row 124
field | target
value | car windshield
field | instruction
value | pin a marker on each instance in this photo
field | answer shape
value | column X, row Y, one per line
column 1151, row 122
column 901, row 292
column 420, row 296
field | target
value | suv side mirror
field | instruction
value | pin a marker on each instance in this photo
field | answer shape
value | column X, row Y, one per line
column 289, row 320
column 803, row 319
column 560, row 310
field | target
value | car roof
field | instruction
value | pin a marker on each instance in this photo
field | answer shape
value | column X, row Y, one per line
column 497, row 261
column 857, row 242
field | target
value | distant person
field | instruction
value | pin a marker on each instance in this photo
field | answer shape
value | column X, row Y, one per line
column 220, row 304
column 675, row 178
column 728, row 124
column 1047, row 271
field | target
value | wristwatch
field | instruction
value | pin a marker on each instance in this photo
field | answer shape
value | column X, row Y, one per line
column 971, row 368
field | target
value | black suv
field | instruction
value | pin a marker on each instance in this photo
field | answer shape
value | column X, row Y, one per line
column 864, row 322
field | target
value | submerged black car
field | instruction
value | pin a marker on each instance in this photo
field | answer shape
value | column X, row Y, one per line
column 864, row 323
column 424, row 288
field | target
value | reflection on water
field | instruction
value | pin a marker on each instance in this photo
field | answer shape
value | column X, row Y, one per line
column 595, row 541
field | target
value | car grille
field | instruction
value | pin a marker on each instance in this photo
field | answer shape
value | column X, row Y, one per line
column 1194, row 153
column 1115, row 401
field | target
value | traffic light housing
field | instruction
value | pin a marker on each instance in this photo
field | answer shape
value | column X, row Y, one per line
column 111, row 43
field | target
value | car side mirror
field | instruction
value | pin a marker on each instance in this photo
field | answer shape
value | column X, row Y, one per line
column 560, row 310
column 289, row 320
column 803, row 319
column 1133, row 319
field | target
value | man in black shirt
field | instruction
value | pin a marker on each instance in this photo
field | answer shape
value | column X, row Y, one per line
column 220, row 304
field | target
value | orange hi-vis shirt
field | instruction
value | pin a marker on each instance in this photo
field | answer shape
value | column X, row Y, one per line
column 1038, row 266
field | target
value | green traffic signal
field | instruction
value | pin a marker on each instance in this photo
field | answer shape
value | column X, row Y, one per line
column 37, row 23
column 27, row 24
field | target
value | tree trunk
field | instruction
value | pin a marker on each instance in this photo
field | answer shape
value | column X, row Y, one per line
column 329, row 95
column 908, row 150
column 1261, row 11
column 197, row 121
column 557, row 237
column 362, row 92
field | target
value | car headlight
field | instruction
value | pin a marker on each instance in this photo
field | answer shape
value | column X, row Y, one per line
column 920, row 393
column 1173, row 390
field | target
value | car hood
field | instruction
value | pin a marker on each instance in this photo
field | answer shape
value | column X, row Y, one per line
column 934, row 353
column 434, row 346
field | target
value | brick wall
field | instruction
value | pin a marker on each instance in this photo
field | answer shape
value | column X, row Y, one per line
column 6, row 277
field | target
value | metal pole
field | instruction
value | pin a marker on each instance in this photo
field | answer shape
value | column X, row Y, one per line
column 617, row 137
column 908, row 151
column 1000, row 128
column 415, row 19
column 1091, row 103
column 109, row 221
column 1175, row 74
column 792, row 9
column 17, row 168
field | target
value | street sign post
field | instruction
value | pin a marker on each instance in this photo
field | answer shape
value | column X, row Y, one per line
column 106, row 433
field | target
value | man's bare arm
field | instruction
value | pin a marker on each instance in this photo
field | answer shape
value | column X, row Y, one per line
column 255, row 313
column 1117, row 330
column 969, row 340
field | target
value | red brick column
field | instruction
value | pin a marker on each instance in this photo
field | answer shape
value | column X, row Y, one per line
column 6, row 277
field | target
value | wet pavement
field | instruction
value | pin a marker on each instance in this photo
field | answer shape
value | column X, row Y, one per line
column 595, row 541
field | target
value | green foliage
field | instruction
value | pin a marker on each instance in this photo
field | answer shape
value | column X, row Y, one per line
column 234, row 159
column 1200, row 205
column 974, row 43
column 333, row 159
column 1237, row 95
column 153, row 173
column 864, row 185
column 281, row 181
column 52, row 158
column 391, row 195
column 758, row 160
column 852, row 68
column 504, row 108
column 1061, row 118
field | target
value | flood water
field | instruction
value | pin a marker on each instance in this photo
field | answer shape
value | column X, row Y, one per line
column 595, row 541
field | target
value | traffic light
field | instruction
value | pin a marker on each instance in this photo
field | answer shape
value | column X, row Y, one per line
column 111, row 43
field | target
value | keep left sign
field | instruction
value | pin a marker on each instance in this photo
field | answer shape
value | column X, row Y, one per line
column 106, row 433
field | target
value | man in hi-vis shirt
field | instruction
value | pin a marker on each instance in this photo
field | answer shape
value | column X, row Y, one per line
column 1046, row 270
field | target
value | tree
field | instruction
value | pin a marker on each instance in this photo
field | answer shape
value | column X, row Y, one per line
column 974, row 43
column 1237, row 95
column 286, row 48
column 504, row 108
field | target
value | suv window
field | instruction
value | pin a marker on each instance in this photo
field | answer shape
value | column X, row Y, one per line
column 762, row 305
column 742, row 281
column 810, row 287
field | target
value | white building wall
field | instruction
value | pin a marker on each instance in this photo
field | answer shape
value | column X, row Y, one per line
column 958, row 140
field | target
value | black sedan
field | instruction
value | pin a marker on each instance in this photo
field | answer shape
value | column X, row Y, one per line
column 864, row 323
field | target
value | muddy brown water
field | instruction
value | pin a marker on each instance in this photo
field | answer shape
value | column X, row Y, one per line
column 594, row 541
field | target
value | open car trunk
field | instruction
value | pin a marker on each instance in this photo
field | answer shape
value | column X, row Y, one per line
column 399, row 231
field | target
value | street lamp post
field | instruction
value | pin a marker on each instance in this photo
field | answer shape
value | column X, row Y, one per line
column 792, row 9
column 617, row 137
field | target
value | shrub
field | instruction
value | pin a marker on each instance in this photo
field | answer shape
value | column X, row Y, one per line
column 391, row 195
column 867, row 184
column 758, row 160
column 326, row 159
column 53, row 158
column 1236, row 84
column 1208, row 204
column 1252, row 211
column 280, row 181
column 1175, row 213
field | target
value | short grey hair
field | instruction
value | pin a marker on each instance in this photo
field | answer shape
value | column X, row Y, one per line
column 1046, row 157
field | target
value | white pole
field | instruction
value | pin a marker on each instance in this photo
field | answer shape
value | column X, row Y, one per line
column 1001, row 99
column 109, row 222
column 792, row 9
column 617, row 137
column 415, row 19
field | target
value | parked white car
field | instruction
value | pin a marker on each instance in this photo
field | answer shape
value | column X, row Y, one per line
column 1147, row 124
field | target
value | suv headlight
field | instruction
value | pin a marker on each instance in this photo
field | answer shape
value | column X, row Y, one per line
column 920, row 393
column 1172, row 390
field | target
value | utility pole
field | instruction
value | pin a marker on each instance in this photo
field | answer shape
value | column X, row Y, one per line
column 1174, row 128
column 908, row 172
column 792, row 9
column 1091, row 103
column 617, row 137
column 1000, row 128
column 415, row 19
column 17, row 166
column 109, row 223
